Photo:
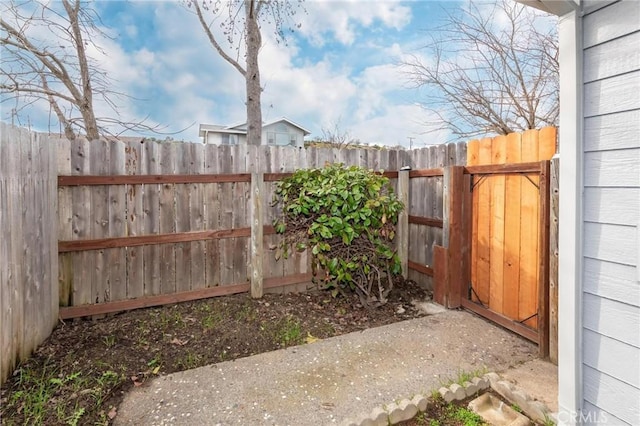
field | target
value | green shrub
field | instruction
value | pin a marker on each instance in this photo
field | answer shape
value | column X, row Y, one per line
column 347, row 217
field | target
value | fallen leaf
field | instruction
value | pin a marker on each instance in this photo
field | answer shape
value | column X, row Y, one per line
column 310, row 338
column 155, row 370
column 179, row 342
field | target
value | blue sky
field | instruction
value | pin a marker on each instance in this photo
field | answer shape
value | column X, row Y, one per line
column 340, row 67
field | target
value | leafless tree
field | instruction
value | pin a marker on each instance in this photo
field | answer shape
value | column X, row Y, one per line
column 338, row 137
column 489, row 70
column 45, row 59
column 242, row 27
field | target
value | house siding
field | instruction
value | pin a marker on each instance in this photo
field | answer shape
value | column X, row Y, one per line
column 611, row 207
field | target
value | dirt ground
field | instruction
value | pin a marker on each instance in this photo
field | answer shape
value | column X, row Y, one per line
column 80, row 374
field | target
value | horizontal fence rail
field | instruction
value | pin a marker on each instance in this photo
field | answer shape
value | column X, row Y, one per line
column 146, row 219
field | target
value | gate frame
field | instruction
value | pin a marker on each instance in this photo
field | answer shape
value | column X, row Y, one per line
column 452, row 263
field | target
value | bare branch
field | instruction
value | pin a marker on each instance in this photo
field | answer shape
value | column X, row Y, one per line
column 212, row 39
column 57, row 69
column 483, row 75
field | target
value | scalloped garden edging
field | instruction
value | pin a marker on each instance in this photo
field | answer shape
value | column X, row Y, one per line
column 407, row 409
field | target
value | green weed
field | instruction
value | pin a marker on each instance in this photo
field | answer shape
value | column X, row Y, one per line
column 189, row 361
column 211, row 321
column 247, row 313
column 288, row 332
column 109, row 341
column 463, row 376
column 465, row 416
column 37, row 391
column 74, row 418
column 421, row 418
column 154, row 362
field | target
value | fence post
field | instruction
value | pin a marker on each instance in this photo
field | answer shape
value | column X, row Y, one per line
column 402, row 231
column 257, row 228
column 543, row 271
column 553, row 259
column 454, row 230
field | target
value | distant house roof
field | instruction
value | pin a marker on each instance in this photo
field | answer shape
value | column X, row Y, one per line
column 241, row 129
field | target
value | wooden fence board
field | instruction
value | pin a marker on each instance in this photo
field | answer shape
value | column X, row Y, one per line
column 422, row 195
column 167, row 219
column 65, row 217
column 496, row 223
column 196, row 217
column 100, row 279
column 272, row 266
column 528, row 298
column 241, row 215
column 135, row 219
column 27, row 213
column 435, row 234
column 240, row 246
column 226, row 164
column 511, row 287
column 5, row 307
column 151, row 255
column 14, row 210
column 81, row 199
column 40, row 294
column 117, row 206
column 547, row 143
column 16, row 271
column 482, row 259
column 212, row 219
column 182, row 220
column 52, row 233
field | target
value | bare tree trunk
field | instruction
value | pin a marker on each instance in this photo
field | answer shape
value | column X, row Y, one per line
column 85, row 103
column 252, row 78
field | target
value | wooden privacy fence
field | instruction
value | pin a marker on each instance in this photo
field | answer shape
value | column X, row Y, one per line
column 28, row 254
column 143, row 223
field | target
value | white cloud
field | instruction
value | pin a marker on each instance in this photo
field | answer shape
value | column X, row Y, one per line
column 395, row 125
column 340, row 20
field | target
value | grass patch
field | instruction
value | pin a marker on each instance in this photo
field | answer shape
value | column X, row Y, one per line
column 463, row 376
column 288, row 332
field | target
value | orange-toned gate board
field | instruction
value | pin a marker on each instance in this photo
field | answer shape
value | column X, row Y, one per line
column 512, row 231
column 483, row 230
column 530, row 197
column 505, row 224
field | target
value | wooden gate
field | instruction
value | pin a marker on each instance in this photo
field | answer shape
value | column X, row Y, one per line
column 509, row 214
